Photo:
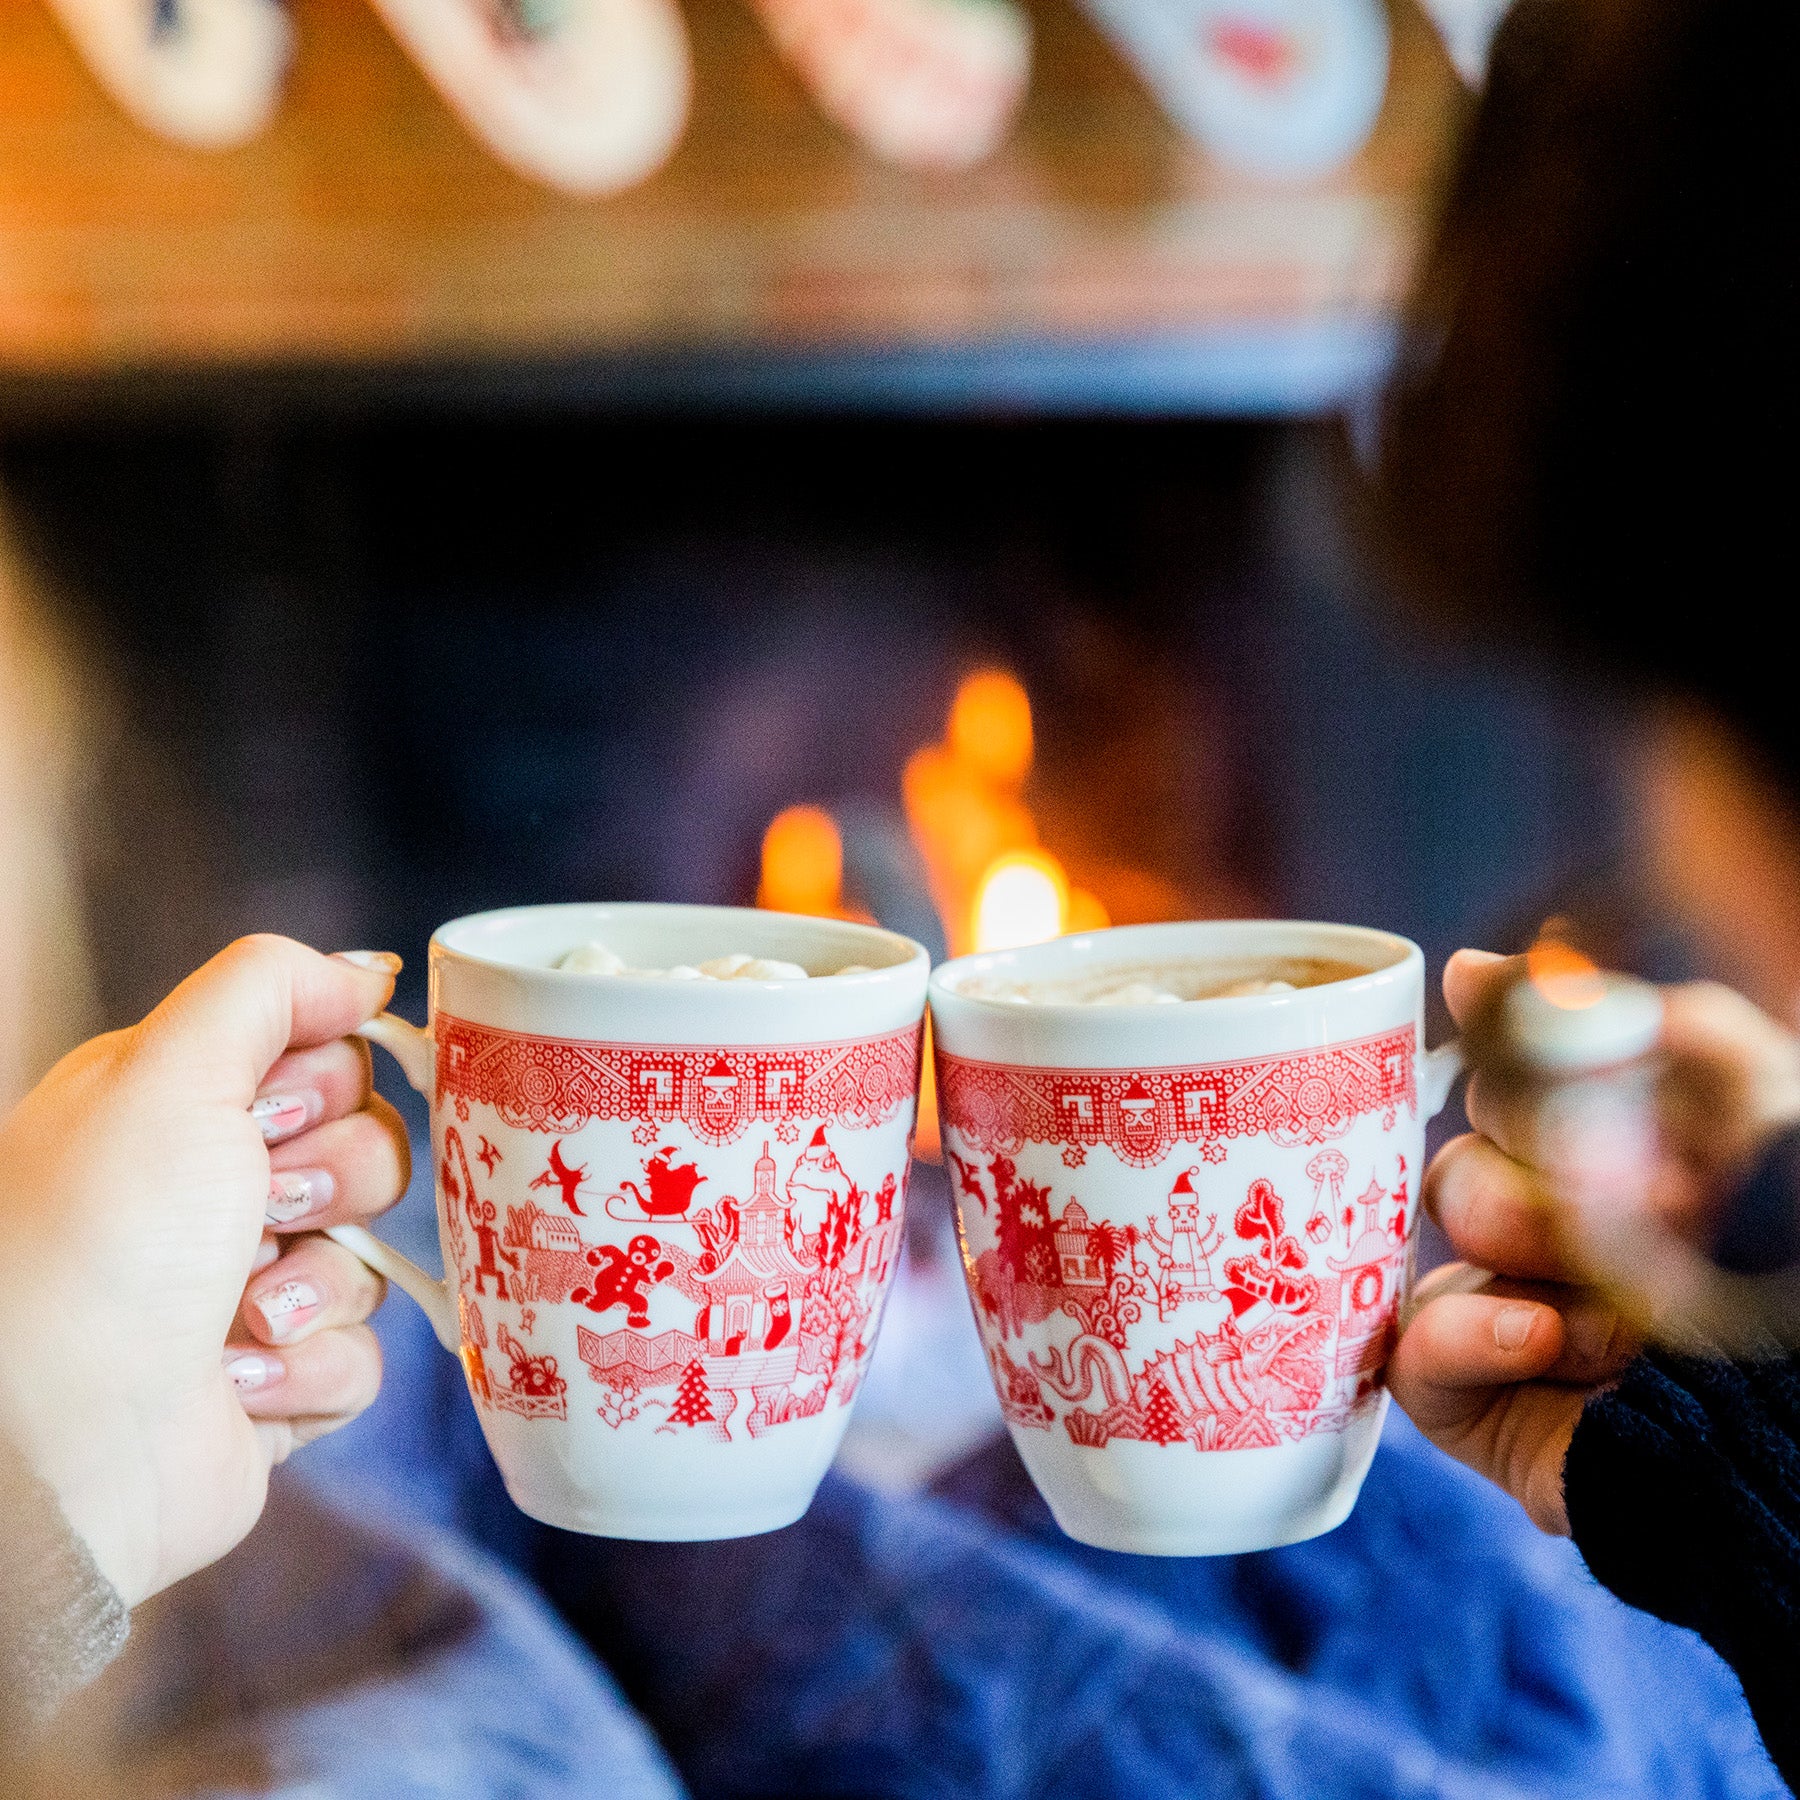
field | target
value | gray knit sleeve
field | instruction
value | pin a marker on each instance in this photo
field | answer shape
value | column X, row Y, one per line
column 61, row 1622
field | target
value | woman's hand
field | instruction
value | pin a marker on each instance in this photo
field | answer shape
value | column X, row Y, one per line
column 171, row 1326
column 1498, row 1378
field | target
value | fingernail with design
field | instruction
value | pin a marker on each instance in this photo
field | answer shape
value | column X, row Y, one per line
column 377, row 962
column 288, row 1307
column 283, row 1115
column 296, row 1194
column 250, row 1370
column 268, row 1249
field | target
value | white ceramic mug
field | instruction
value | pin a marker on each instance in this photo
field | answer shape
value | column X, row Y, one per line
column 1187, row 1228
column 669, row 1209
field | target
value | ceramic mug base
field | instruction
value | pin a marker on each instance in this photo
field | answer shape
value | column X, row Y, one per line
column 666, row 1525
column 1146, row 1500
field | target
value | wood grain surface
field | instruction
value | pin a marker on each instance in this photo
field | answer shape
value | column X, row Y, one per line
column 367, row 225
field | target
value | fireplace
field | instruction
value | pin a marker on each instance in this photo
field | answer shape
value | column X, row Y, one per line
column 969, row 678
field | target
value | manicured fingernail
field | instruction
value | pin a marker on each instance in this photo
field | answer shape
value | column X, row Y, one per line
column 1588, row 1331
column 1512, row 1326
column 267, row 1250
column 286, row 1308
column 298, row 1194
column 377, row 962
column 251, row 1369
column 283, row 1115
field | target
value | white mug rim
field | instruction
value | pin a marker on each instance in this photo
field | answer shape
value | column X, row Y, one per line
column 1403, row 958
column 875, row 940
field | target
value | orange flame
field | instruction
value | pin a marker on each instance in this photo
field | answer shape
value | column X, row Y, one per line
column 802, row 863
column 1566, row 978
column 1022, row 899
column 990, row 727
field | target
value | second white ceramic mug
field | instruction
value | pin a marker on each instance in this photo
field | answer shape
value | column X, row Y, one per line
column 670, row 1210
column 1187, row 1228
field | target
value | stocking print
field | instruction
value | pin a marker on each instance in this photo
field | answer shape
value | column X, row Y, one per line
column 1287, row 88
column 203, row 72
column 930, row 83
column 584, row 95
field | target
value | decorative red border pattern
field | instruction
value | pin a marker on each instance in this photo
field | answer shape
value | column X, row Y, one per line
column 1297, row 1097
column 560, row 1084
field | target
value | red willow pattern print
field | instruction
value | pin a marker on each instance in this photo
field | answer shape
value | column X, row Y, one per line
column 778, row 1292
column 1141, row 1114
column 1212, row 1318
column 561, row 1084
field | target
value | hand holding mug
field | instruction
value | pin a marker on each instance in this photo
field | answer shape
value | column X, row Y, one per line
column 135, row 1184
column 1498, row 1377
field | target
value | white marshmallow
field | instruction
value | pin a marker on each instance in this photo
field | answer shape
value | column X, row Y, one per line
column 1135, row 993
column 596, row 959
column 592, row 959
column 722, row 968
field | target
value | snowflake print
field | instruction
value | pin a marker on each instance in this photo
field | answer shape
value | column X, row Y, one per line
column 1213, row 1152
column 787, row 1131
column 644, row 1132
column 1074, row 1155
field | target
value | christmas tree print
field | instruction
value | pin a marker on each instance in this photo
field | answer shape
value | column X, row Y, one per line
column 693, row 1404
column 1162, row 1423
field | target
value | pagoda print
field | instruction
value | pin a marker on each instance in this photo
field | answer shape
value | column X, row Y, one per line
column 782, row 1291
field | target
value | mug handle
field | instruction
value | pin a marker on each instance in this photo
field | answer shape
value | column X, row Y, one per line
column 1438, row 1070
column 414, row 1049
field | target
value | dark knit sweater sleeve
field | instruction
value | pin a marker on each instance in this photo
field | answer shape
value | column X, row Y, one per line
column 1683, row 1486
column 61, row 1622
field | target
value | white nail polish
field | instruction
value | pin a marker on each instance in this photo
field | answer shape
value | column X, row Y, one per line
column 377, row 962
column 249, row 1370
column 281, row 1115
column 284, row 1308
column 295, row 1193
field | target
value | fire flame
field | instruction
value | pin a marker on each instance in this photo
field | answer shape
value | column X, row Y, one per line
column 993, row 885
column 990, row 727
column 1022, row 899
column 802, row 863
column 1566, row 978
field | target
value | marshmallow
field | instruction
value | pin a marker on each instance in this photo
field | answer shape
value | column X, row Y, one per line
column 722, row 968
column 1135, row 993
column 768, row 969
column 595, row 958
column 1097, row 992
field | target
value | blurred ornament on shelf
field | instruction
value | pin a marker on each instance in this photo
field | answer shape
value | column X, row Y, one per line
column 585, row 95
column 206, row 73
column 1467, row 28
column 932, row 84
column 1281, row 88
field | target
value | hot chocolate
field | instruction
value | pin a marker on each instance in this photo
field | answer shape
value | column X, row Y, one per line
column 1168, row 983
column 595, row 958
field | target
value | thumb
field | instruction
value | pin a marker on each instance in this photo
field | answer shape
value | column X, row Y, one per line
column 229, row 1021
column 1470, row 976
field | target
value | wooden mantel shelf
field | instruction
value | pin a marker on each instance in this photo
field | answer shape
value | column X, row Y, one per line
column 1098, row 260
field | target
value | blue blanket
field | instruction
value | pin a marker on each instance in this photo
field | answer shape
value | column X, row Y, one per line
column 955, row 1643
